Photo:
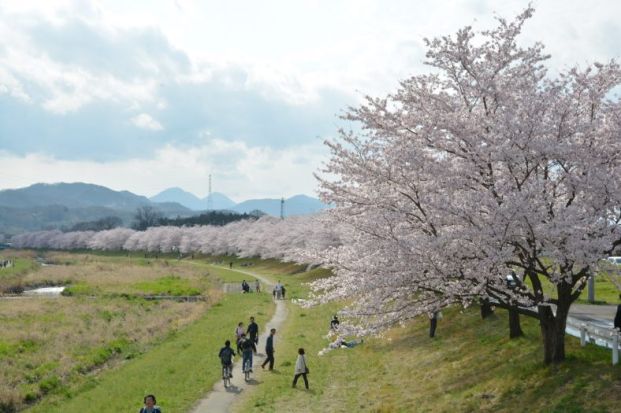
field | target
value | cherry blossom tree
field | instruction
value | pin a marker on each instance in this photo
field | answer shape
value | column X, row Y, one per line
column 487, row 164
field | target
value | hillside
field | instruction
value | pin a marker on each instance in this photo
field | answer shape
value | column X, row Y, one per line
column 296, row 205
column 46, row 206
column 191, row 201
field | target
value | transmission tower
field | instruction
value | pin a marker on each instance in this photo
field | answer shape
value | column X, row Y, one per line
column 209, row 200
column 282, row 208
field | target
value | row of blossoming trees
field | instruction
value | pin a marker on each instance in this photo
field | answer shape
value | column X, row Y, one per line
column 488, row 163
column 267, row 237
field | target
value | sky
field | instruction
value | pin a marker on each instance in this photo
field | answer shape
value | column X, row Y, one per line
column 147, row 95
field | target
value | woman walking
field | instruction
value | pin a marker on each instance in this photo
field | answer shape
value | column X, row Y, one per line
column 300, row 369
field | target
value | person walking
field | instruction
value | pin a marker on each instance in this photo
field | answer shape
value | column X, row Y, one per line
column 257, row 286
column 433, row 322
column 282, row 289
column 253, row 334
column 149, row 405
column 239, row 331
column 300, row 369
column 269, row 350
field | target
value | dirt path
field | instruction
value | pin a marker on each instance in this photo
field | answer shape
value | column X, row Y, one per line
column 220, row 399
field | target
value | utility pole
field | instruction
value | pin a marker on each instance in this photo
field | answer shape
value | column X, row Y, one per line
column 282, row 208
column 209, row 200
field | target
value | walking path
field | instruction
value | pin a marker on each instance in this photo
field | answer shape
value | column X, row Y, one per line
column 219, row 400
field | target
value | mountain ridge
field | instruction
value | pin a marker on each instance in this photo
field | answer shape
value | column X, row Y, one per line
column 46, row 206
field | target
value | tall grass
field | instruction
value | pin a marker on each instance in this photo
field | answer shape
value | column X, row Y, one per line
column 179, row 371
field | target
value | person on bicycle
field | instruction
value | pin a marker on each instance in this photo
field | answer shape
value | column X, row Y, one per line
column 246, row 345
column 226, row 357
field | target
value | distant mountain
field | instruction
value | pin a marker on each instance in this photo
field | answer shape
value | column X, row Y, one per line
column 17, row 220
column 45, row 206
column 62, row 205
column 72, row 195
column 189, row 200
column 219, row 201
column 180, row 196
column 296, row 205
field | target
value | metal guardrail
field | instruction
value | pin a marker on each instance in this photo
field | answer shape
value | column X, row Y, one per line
column 605, row 337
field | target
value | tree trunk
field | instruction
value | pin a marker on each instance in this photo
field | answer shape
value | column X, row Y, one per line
column 486, row 309
column 553, row 334
column 515, row 330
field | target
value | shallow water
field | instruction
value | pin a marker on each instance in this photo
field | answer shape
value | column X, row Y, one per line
column 45, row 291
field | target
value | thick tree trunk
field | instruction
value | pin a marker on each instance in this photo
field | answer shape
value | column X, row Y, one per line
column 486, row 309
column 515, row 330
column 553, row 326
column 553, row 334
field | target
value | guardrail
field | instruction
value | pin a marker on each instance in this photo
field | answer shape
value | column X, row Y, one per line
column 604, row 337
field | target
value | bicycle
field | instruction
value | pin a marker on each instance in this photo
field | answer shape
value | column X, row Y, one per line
column 227, row 373
column 247, row 370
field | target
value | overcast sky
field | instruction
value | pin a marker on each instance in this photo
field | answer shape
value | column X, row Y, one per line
column 145, row 95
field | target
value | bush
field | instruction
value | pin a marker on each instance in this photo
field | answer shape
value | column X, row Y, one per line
column 49, row 384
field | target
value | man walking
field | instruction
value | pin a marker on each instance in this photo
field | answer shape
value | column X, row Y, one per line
column 253, row 333
column 269, row 350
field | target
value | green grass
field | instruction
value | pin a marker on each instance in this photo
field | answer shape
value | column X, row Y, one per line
column 20, row 266
column 605, row 291
column 179, row 371
column 470, row 366
column 169, row 285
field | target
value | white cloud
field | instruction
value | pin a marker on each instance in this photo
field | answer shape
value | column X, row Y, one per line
column 145, row 121
column 239, row 171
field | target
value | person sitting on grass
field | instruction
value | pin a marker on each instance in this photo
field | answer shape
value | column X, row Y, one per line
column 334, row 324
column 149, row 405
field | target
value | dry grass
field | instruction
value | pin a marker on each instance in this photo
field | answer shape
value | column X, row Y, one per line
column 49, row 345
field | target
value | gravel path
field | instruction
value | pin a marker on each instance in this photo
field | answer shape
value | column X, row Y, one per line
column 221, row 399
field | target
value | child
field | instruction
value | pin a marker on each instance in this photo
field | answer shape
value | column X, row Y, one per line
column 149, row 405
column 300, row 368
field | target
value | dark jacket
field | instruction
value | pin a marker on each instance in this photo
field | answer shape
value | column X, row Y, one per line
column 155, row 410
column 618, row 317
column 226, row 355
column 246, row 344
column 269, row 344
column 253, row 330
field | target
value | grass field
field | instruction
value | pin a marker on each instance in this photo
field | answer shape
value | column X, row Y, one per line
column 179, row 370
column 470, row 366
column 53, row 348
column 120, row 348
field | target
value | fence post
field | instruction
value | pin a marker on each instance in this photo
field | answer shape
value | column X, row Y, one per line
column 582, row 335
column 615, row 348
